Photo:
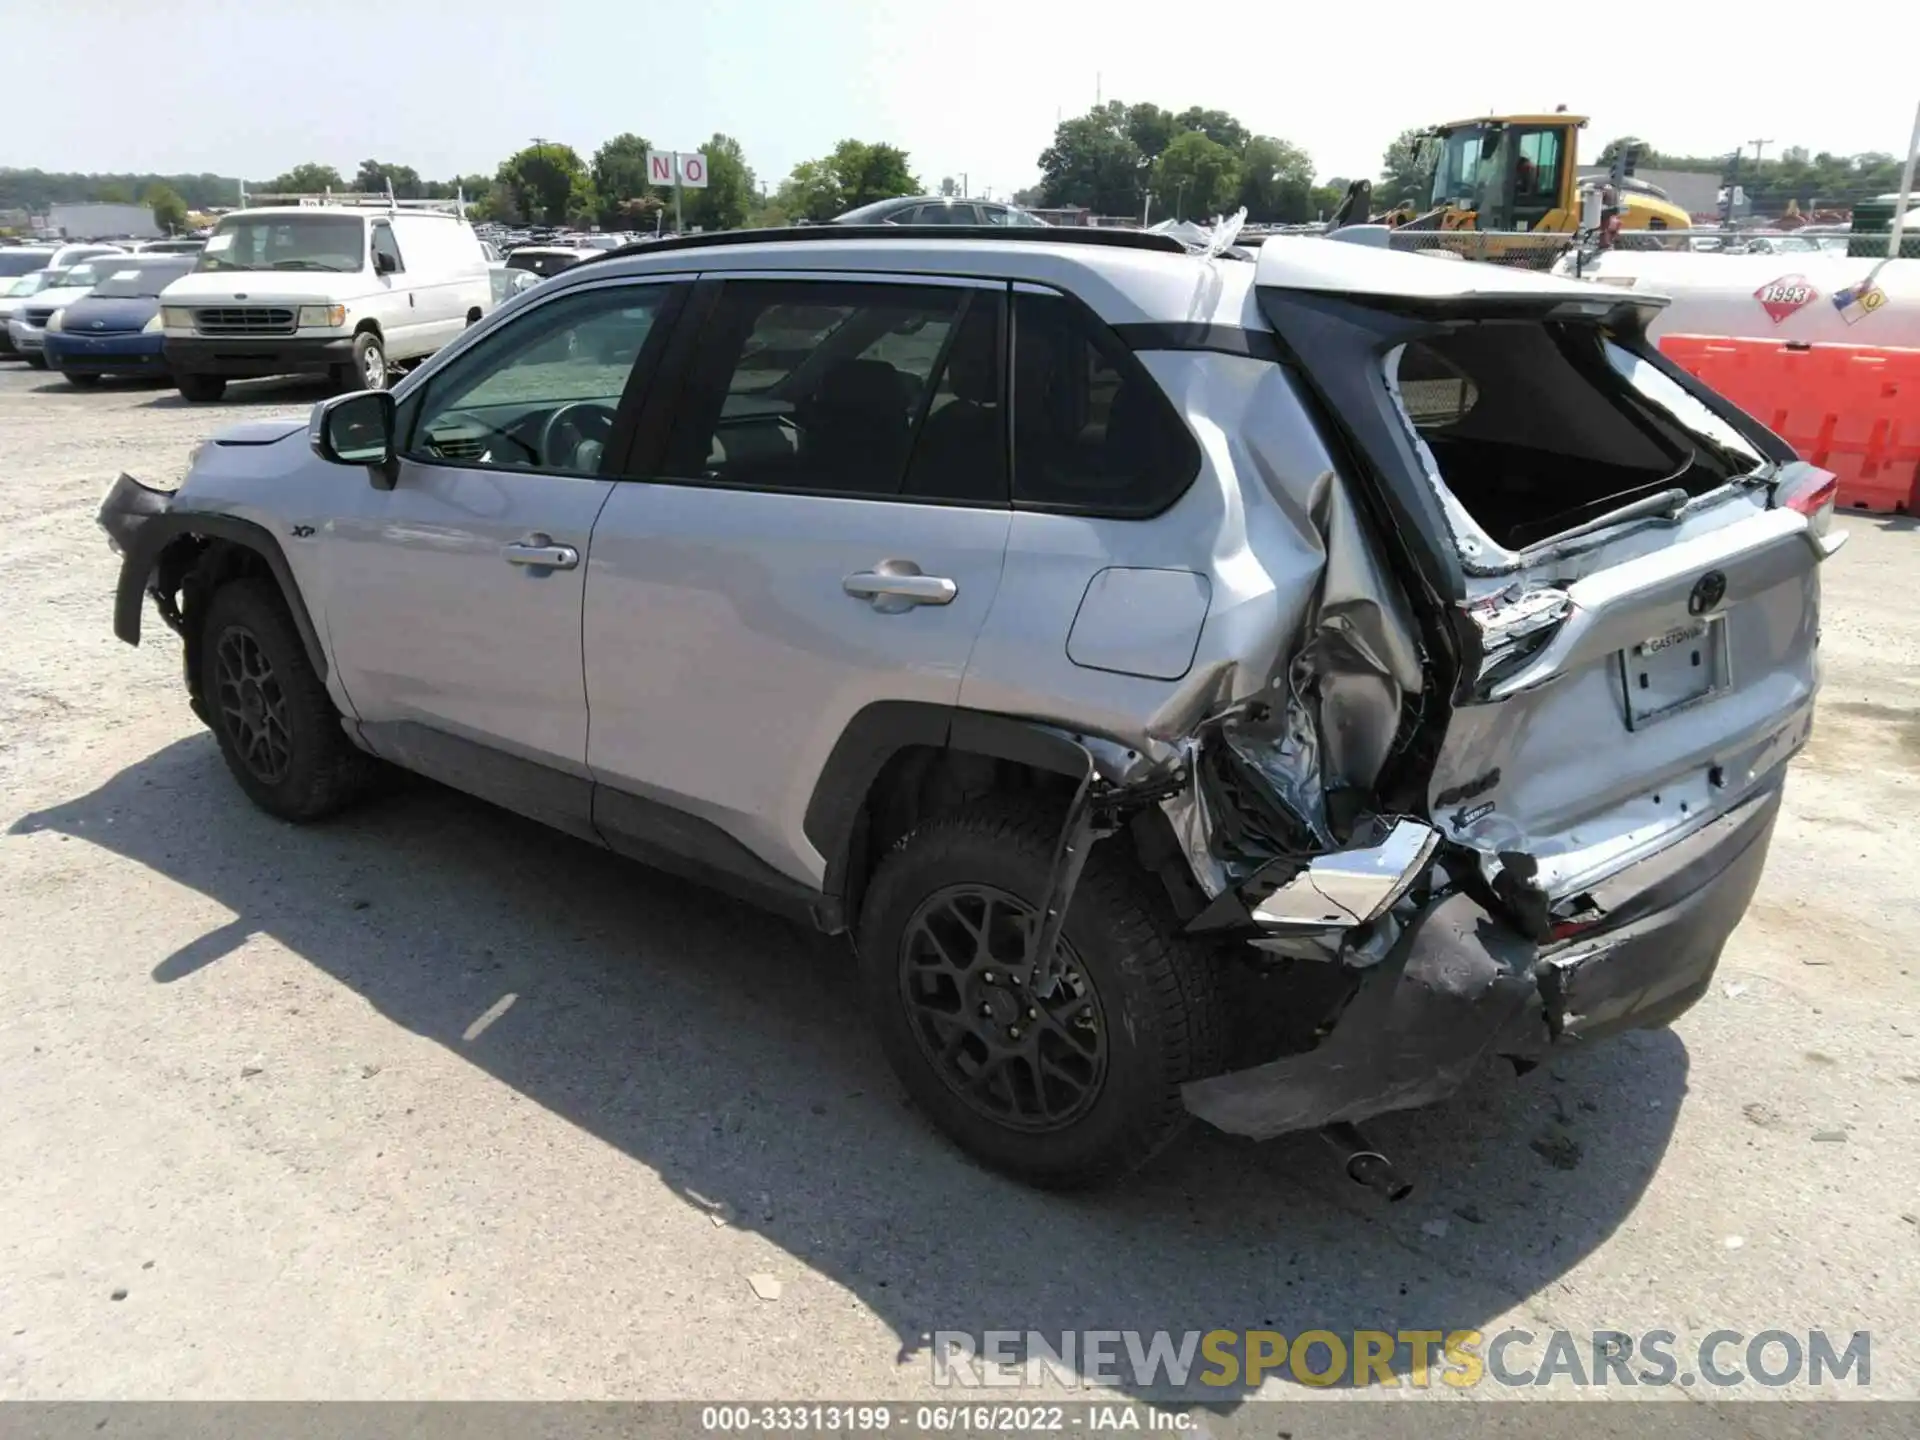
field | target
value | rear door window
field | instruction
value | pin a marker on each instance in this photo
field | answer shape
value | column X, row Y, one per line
column 1092, row 431
column 846, row 388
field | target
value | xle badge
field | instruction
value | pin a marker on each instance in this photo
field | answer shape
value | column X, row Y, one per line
column 1780, row 298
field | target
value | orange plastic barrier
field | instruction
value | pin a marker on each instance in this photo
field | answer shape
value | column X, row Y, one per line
column 1851, row 409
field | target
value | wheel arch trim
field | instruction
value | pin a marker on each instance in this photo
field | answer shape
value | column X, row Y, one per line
column 882, row 730
column 159, row 532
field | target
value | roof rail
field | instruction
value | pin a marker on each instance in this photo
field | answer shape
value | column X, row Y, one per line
column 1019, row 235
column 351, row 200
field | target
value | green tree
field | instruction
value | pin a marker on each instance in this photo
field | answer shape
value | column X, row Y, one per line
column 620, row 175
column 1406, row 171
column 1217, row 125
column 811, row 192
column 871, row 171
column 169, row 210
column 114, row 193
column 1093, row 162
column 1276, row 182
column 1325, row 199
column 308, row 179
column 373, row 175
column 549, row 184
column 1195, row 176
column 1151, row 129
column 729, row 195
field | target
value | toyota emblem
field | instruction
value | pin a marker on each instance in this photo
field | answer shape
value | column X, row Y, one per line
column 1708, row 591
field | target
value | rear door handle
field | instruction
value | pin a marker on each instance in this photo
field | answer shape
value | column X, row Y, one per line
column 538, row 552
column 897, row 585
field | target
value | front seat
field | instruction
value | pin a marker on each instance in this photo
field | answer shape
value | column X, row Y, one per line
column 961, row 453
column 856, row 428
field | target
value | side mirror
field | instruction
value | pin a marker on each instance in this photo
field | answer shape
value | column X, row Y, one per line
column 356, row 429
column 383, row 263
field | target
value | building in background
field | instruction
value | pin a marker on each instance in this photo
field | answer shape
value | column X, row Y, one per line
column 1695, row 191
column 101, row 220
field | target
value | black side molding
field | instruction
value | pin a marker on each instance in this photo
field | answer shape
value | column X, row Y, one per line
column 1197, row 335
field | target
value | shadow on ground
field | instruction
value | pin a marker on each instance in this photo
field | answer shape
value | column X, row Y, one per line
column 287, row 390
column 723, row 1049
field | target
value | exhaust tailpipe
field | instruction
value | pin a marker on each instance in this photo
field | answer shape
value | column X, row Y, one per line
column 1366, row 1165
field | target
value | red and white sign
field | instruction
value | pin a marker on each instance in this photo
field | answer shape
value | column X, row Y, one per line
column 688, row 167
column 1780, row 298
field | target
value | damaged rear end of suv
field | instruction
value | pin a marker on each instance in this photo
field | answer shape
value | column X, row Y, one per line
column 1496, row 774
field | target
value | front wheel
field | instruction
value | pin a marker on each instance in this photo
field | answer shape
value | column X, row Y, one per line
column 277, row 727
column 1069, row 1089
column 369, row 368
column 200, row 388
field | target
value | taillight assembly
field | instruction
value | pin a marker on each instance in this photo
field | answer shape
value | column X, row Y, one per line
column 1812, row 492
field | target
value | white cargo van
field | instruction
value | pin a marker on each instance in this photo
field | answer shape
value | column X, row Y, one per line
column 345, row 291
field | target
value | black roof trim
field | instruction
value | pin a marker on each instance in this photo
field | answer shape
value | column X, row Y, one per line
column 1001, row 234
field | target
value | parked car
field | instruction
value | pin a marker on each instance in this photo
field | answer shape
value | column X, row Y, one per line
column 545, row 260
column 1258, row 689
column 509, row 282
column 14, row 292
column 27, row 325
column 341, row 291
column 114, row 329
column 937, row 210
column 19, row 260
column 180, row 245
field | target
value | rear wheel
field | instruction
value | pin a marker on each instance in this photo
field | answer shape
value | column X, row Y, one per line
column 277, row 727
column 200, row 387
column 1068, row 1089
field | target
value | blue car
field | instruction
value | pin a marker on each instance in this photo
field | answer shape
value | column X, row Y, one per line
column 114, row 329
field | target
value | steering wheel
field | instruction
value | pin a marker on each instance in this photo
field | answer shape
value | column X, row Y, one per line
column 570, row 430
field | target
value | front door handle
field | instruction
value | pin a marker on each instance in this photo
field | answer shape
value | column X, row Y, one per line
column 897, row 585
column 538, row 552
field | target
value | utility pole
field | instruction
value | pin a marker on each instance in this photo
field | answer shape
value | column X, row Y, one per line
column 966, row 190
column 1758, row 146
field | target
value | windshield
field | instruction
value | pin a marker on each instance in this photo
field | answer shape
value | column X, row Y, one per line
column 1456, row 179
column 85, row 275
column 29, row 284
column 20, row 262
column 287, row 242
column 145, row 280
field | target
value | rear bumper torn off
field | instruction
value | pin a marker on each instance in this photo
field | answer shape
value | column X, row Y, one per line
column 1461, row 986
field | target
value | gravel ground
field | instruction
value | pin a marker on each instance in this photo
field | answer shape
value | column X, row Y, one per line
column 433, row 1103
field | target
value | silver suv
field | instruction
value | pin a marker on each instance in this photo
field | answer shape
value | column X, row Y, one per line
column 1262, row 686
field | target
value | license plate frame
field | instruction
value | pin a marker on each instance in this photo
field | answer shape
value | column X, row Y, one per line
column 1675, row 671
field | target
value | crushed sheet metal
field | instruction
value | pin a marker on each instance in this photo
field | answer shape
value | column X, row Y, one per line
column 1455, row 990
column 1330, row 723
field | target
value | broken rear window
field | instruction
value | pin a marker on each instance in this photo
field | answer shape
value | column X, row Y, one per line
column 1541, row 427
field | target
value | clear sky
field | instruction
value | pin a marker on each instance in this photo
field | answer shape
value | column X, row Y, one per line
column 252, row 87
